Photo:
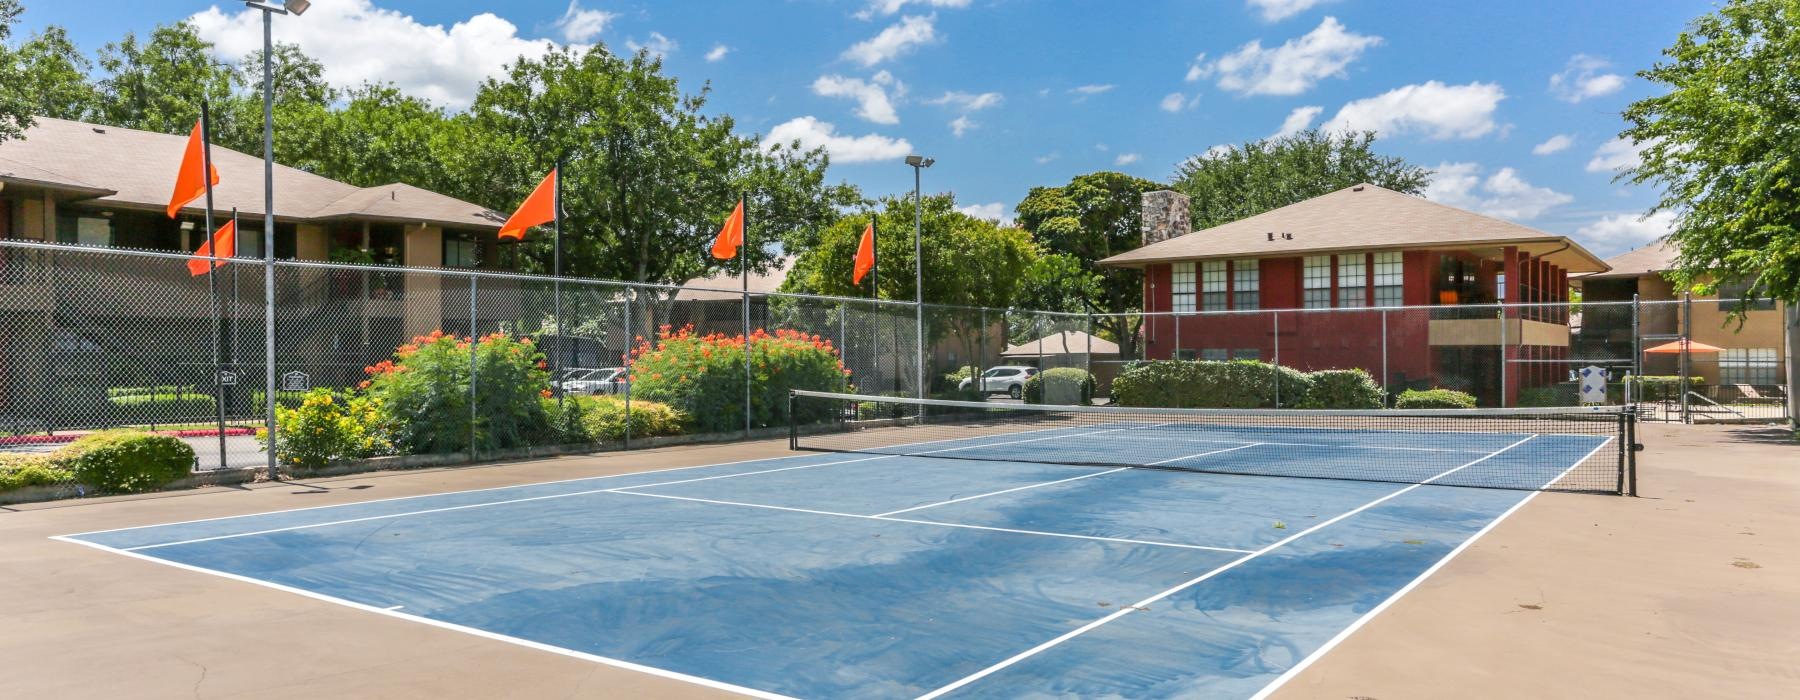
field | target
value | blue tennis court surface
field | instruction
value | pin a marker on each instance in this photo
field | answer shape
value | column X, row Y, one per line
column 909, row 575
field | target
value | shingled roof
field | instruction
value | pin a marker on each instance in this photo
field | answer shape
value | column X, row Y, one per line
column 1362, row 217
column 1648, row 259
column 133, row 169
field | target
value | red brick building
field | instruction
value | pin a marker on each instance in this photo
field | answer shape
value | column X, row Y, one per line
column 1364, row 277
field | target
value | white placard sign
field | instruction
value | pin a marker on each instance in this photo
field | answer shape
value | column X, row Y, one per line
column 1593, row 385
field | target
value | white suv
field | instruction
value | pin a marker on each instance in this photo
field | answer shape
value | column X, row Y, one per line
column 1010, row 379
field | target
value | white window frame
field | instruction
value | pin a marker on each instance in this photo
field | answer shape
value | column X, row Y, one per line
column 1246, row 284
column 1752, row 366
column 1353, row 280
column 1214, row 286
column 1390, row 278
column 1315, row 282
column 1181, row 287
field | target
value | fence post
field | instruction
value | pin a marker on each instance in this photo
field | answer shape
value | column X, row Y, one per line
column 843, row 351
column 474, row 339
column 1505, row 357
column 630, row 299
column 1277, row 328
column 980, row 357
column 1687, row 339
column 1637, row 351
column 1385, row 392
column 749, row 378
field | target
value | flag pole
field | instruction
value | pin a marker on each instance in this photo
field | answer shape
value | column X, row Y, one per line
column 744, row 272
column 212, row 276
column 875, row 247
column 556, row 286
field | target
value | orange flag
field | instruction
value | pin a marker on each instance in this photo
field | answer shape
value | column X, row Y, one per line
column 225, row 241
column 539, row 208
column 188, row 183
column 731, row 235
column 865, row 254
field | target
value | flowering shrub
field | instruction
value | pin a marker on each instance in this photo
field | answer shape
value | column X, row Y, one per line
column 702, row 376
column 422, row 395
column 603, row 418
column 326, row 428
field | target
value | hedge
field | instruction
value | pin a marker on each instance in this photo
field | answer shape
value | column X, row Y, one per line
column 1209, row 384
column 603, row 418
column 703, row 376
column 125, row 460
column 1434, row 398
column 1343, row 389
column 1066, row 385
column 21, row 469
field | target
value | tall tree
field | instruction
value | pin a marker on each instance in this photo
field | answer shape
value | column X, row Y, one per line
column 158, row 85
column 301, row 107
column 1721, row 143
column 15, row 102
column 381, row 135
column 1095, row 216
column 58, row 75
column 1242, row 181
column 968, row 261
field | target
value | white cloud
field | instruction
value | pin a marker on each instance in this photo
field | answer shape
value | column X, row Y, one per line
column 1434, row 109
column 962, row 124
column 889, row 7
column 1277, row 10
column 1175, row 102
column 1620, row 232
column 1297, row 121
column 968, row 102
column 1082, row 92
column 872, row 101
column 1217, row 150
column 1126, row 159
column 581, row 26
column 657, row 46
column 1199, row 68
column 812, row 133
column 894, row 41
column 992, row 211
column 1583, row 78
column 1293, row 67
column 1047, row 157
column 358, row 42
column 1554, row 144
column 1503, row 194
column 717, row 53
column 1615, row 155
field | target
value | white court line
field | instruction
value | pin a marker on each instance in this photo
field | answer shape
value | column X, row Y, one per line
column 1346, row 446
column 1058, row 481
column 1370, row 615
column 1124, row 610
column 608, row 661
column 810, row 511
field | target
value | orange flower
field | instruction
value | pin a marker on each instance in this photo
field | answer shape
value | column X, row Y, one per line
column 544, row 393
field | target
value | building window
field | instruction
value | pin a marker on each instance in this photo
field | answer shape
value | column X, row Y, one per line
column 461, row 250
column 1390, row 279
column 1748, row 366
column 1353, row 280
column 1212, row 285
column 1246, row 354
column 1731, row 294
column 1315, row 282
column 1214, row 354
column 1181, row 287
column 1246, row 285
column 84, row 230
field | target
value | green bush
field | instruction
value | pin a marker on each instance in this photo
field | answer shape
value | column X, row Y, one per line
column 20, row 469
column 326, row 428
column 603, row 418
column 422, row 395
column 703, row 376
column 149, row 404
column 1564, row 394
column 125, row 460
column 949, row 380
column 1658, row 387
column 1434, row 398
column 1064, row 385
column 1209, row 384
column 1342, row 389
column 870, row 410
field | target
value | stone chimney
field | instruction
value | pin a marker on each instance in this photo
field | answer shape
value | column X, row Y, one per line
column 1165, row 216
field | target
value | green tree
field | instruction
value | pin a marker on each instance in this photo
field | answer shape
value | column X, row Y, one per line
column 58, row 75
column 968, row 261
column 1722, row 144
column 1095, row 216
column 158, row 85
column 302, row 109
column 1243, row 181
column 15, row 102
column 648, row 175
column 380, row 136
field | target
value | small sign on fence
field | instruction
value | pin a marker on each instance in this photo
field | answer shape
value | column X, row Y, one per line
column 1593, row 385
column 295, row 381
column 225, row 377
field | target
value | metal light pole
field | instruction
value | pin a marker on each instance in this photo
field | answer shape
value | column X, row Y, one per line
column 919, row 164
column 295, row 8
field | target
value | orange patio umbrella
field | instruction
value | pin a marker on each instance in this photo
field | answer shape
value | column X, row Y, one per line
column 1675, row 347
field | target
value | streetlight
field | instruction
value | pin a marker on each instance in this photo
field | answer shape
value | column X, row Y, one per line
column 295, row 8
column 919, row 164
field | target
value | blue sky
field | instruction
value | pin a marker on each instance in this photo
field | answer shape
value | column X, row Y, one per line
column 1514, row 103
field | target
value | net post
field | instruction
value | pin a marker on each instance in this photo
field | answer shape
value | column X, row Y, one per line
column 474, row 339
column 1631, row 459
column 793, row 424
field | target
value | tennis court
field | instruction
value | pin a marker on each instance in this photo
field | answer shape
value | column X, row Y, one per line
column 991, row 553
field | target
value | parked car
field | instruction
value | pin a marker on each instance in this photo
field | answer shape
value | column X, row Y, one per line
column 606, row 380
column 1009, row 379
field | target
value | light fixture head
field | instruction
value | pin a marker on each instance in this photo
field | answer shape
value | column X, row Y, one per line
column 914, row 160
column 297, row 7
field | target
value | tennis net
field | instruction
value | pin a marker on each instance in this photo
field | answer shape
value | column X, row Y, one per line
column 1588, row 449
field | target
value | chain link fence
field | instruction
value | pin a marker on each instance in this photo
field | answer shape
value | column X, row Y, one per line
column 95, row 338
